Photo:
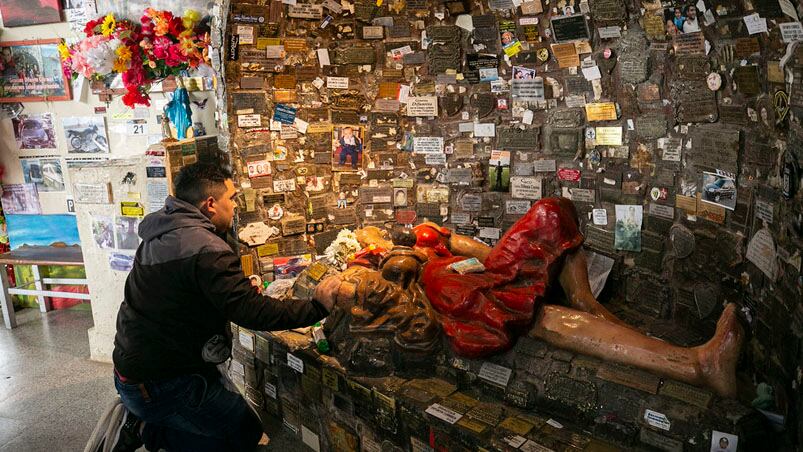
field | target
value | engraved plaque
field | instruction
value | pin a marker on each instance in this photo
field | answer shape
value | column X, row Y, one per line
column 651, row 125
column 633, row 68
column 693, row 67
column 694, row 102
column 282, row 81
column 715, row 147
column 747, row 80
column 355, row 55
column 599, row 239
column 608, row 11
column 633, row 378
column 570, row 28
column 654, row 27
column 514, row 138
column 689, row 44
column 660, row 441
column 687, row 393
column 580, row 396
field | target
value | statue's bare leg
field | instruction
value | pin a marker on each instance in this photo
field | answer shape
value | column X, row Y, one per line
column 712, row 364
column 574, row 280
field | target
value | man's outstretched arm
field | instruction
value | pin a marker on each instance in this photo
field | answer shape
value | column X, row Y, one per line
column 221, row 278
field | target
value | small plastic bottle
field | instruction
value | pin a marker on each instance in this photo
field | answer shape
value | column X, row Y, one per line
column 320, row 338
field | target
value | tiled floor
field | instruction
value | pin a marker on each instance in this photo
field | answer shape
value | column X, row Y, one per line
column 51, row 394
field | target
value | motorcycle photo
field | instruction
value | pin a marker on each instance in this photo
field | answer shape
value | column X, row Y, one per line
column 88, row 139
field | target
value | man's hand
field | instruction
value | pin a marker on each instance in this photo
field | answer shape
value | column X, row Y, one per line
column 326, row 292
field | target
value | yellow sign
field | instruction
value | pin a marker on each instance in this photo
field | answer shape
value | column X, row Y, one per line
column 601, row 111
column 319, row 127
column 609, row 136
column 268, row 249
column 131, row 209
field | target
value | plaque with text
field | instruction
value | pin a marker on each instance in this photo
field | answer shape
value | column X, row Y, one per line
column 570, row 28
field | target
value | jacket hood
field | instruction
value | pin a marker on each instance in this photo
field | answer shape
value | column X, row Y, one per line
column 176, row 214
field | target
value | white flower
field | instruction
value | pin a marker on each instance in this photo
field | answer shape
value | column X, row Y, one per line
column 338, row 252
column 102, row 57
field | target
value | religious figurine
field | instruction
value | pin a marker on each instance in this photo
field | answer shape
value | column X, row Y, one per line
column 397, row 310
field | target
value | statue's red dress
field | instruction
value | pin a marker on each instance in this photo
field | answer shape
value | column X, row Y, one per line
column 480, row 313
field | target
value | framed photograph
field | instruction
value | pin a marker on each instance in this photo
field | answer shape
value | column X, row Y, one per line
column 347, row 148
column 19, row 13
column 719, row 189
column 85, row 134
column 35, row 131
column 30, row 71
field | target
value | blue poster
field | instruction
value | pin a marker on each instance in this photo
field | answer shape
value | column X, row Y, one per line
column 42, row 230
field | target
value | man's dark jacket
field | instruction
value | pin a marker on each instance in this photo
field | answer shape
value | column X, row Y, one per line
column 186, row 285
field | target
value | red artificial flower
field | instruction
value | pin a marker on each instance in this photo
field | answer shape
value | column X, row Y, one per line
column 135, row 96
column 176, row 26
column 175, row 57
column 89, row 29
column 135, row 76
column 147, row 26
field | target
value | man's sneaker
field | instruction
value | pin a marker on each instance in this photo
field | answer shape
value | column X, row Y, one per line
column 126, row 437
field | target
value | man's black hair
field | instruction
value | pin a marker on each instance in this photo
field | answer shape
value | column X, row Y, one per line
column 199, row 181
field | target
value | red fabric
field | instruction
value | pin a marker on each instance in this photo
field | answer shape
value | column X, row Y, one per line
column 66, row 303
column 481, row 312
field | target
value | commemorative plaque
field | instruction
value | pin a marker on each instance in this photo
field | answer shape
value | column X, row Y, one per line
column 570, row 28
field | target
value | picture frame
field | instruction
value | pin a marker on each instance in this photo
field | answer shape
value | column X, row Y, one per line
column 30, row 71
column 22, row 13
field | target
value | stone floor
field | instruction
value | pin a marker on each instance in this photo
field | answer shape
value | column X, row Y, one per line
column 51, row 394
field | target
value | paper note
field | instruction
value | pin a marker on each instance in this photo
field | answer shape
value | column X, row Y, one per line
column 755, row 24
column 323, row 57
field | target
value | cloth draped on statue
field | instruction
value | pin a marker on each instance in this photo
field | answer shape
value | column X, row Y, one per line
column 481, row 313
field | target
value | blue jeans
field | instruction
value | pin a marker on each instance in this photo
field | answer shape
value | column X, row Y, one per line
column 352, row 152
column 191, row 413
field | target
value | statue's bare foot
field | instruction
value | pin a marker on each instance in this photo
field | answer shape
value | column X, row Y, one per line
column 718, row 357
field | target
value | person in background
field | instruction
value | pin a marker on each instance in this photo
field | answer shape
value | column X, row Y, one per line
column 173, row 325
column 691, row 24
column 678, row 19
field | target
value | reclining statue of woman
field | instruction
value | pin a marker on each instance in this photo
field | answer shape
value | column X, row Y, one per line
column 414, row 295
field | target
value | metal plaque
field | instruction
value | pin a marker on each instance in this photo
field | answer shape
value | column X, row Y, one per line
column 687, row 393
column 633, row 378
column 515, row 138
column 651, row 125
column 715, row 148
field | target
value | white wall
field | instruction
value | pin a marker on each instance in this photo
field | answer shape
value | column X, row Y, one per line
column 83, row 104
column 105, row 285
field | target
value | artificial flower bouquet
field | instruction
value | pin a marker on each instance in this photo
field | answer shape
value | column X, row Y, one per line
column 161, row 45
